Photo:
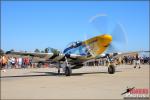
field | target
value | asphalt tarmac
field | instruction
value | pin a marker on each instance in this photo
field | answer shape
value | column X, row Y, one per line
column 85, row 83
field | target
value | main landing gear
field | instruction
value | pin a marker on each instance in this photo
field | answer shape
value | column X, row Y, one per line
column 111, row 65
column 66, row 68
column 68, row 71
column 111, row 69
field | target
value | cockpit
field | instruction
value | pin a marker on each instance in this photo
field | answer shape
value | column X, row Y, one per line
column 74, row 44
column 76, row 48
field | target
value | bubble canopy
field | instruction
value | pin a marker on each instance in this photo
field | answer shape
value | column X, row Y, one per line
column 74, row 44
column 76, row 47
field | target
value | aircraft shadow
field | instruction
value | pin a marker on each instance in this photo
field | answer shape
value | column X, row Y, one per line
column 54, row 74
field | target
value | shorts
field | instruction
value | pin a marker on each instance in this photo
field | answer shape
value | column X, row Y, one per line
column 13, row 64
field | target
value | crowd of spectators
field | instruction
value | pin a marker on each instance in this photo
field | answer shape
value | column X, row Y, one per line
column 131, row 60
column 15, row 62
column 7, row 62
column 126, row 60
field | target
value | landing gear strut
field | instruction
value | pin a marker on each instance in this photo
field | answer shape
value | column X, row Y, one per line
column 111, row 65
column 58, row 70
column 68, row 71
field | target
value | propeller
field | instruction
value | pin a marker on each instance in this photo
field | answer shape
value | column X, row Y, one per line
column 104, row 26
column 87, row 46
column 100, row 22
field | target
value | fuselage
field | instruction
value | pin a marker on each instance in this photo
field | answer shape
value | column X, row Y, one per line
column 80, row 51
column 89, row 48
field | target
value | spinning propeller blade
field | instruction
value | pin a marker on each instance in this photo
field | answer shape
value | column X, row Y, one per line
column 119, row 40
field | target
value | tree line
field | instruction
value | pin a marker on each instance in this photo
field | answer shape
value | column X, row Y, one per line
column 46, row 50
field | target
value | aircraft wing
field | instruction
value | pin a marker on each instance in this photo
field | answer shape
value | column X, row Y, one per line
column 52, row 56
column 35, row 54
column 125, row 54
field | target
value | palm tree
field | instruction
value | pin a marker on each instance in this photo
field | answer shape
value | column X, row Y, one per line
column 42, row 51
column 55, row 51
column 46, row 50
column 12, row 50
column 37, row 50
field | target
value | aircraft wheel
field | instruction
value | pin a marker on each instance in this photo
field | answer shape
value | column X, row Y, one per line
column 68, row 71
column 111, row 69
column 39, row 65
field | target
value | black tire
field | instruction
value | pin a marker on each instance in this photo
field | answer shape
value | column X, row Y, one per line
column 58, row 71
column 111, row 69
column 39, row 65
column 68, row 71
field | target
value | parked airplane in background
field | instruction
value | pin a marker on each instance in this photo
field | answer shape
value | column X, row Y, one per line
column 76, row 53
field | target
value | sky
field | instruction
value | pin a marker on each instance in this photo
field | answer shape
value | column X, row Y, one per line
column 27, row 25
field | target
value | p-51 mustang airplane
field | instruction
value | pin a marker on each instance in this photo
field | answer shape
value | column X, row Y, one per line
column 76, row 53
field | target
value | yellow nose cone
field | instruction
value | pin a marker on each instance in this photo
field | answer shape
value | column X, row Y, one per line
column 106, row 39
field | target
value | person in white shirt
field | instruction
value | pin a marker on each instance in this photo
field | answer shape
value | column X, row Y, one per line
column 137, row 61
column 13, row 62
